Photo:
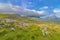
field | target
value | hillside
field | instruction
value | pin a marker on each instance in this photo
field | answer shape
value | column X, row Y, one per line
column 15, row 27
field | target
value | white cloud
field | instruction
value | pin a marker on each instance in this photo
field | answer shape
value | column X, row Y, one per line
column 26, row 4
column 15, row 8
column 8, row 7
column 45, row 7
column 33, row 12
column 57, row 12
column 5, row 7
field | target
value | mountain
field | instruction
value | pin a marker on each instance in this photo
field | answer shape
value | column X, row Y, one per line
column 52, row 18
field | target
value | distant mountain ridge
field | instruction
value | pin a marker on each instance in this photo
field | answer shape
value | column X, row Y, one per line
column 52, row 18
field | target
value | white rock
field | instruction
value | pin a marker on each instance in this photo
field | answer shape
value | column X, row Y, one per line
column 45, row 31
column 13, row 29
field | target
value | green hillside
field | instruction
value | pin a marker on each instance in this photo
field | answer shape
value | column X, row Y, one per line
column 15, row 27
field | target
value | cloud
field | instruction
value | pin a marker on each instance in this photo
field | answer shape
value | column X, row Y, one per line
column 45, row 7
column 57, row 12
column 8, row 7
column 33, row 12
column 5, row 7
column 27, row 4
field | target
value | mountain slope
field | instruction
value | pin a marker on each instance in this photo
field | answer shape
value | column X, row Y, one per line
column 15, row 27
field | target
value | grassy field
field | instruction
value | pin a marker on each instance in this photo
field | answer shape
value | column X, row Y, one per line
column 30, row 31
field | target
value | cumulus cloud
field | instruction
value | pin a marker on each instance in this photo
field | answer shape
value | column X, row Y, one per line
column 8, row 7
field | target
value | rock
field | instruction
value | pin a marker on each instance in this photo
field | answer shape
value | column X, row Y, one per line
column 12, row 29
column 45, row 31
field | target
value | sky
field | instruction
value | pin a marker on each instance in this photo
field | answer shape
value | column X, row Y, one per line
column 41, row 8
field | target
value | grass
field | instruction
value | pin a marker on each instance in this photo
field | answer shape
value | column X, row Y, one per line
column 30, row 32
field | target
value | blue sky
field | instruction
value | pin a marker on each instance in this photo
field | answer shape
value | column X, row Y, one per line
column 43, row 8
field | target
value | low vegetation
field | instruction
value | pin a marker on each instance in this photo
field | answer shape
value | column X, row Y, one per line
column 19, row 28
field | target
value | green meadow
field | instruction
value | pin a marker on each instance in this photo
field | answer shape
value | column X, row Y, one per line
column 15, row 27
